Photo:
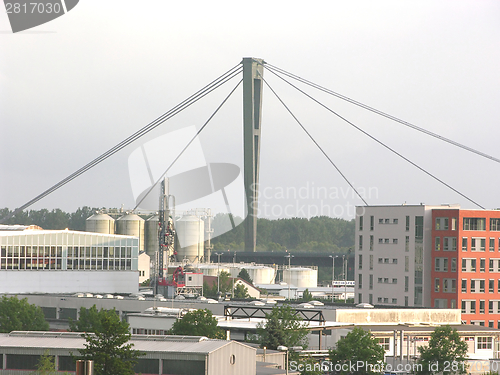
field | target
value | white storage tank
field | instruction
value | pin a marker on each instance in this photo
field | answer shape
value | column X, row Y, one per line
column 190, row 232
column 301, row 277
column 261, row 274
column 131, row 225
column 100, row 223
column 151, row 232
column 211, row 269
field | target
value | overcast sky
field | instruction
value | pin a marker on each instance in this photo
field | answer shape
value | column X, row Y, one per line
column 74, row 87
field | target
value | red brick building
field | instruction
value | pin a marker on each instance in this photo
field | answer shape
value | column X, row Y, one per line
column 466, row 264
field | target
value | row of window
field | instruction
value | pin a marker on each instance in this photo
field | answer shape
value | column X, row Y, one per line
column 442, row 223
column 72, row 251
column 383, row 221
column 478, row 286
column 441, row 264
column 394, row 301
column 448, row 286
column 370, row 299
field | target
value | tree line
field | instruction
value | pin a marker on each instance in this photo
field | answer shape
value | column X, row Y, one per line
column 317, row 234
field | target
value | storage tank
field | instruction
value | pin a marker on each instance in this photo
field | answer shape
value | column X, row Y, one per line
column 211, row 269
column 301, row 277
column 151, row 232
column 261, row 274
column 190, row 232
column 100, row 223
column 131, row 225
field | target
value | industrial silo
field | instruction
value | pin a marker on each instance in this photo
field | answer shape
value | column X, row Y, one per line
column 151, row 231
column 190, row 232
column 131, row 225
column 213, row 269
column 261, row 274
column 100, row 223
column 301, row 277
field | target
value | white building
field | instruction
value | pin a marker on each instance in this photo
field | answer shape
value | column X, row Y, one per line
column 64, row 261
column 144, row 267
column 391, row 267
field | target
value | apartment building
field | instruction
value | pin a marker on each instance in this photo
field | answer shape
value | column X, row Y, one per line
column 430, row 256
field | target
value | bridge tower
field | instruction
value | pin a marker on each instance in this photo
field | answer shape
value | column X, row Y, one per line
column 252, row 113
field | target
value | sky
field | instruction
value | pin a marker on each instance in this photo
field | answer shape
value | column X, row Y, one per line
column 73, row 88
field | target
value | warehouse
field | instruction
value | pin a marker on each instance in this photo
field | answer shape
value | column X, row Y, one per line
column 65, row 261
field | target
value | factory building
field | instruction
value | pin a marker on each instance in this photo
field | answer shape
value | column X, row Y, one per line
column 186, row 355
column 64, row 261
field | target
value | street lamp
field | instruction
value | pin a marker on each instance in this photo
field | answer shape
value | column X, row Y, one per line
column 218, row 273
column 344, row 268
column 289, row 256
column 286, row 349
column 333, row 271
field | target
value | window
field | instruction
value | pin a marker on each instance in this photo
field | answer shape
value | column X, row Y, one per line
column 385, row 342
column 482, row 265
column 381, row 221
column 407, row 243
column 394, row 261
column 473, row 265
column 464, row 243
column 478, row 244
column 360, row 262
column 495, row 225
column 474, row 223
column 361, row 223
column 360, row 298
column 386, row 300
column 492, row 244
column 380, row 240
column 481, row 306
column 490, row 307
column 386, row 280
column 472, row 307
column 453, row 223
column 442, row 223
column 386, row 221
column 437, row 245
column 360, row 242
column 371, row 243
column 449, row 244
column 372, row 222
column 371, row 262
column 380, row 260
column 394, row 240
column 394, row 221
column 407, row 223
column 406, row 301
column 360, row 281
column 464, row 307
column 436, row 284
column 473, row 286
column 437, row 264
column 406, row 283
column 386, row 260
column 464, row 265
column 370, row 298
column 453, row 264
column 491, row 266
column 407, row 263
column 386, row 240
column 394, row 301
column 371, row 282
column 491, row 286
column 380, row 280
column 394, row 281
column 464, row 286
column 481, row 286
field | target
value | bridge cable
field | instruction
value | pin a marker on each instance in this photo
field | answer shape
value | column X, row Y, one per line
column 219, row 81
column 189, row 143
column 378, row 141
column 314, row 141
column 386, row 115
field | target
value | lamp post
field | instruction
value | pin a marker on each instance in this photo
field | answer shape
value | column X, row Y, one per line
column 218, row 273
column 333, row 271
column 289, row 256
column 344, row 268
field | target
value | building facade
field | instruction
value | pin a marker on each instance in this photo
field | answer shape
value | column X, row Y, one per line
column 64, row 261
column 430, row 256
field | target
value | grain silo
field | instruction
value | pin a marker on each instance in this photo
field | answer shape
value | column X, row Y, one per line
column 131, row 224
column 191, row 235
column 100, row 223
column 151, row 231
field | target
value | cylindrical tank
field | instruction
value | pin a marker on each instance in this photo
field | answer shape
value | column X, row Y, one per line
column 190, row 232
column 100, row 223
column 151, row 232
column 131, row 225
column 301, row 277
column 261, row 274
column 211, row 269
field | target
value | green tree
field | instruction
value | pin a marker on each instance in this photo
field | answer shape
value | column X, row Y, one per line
column 89, row 320
column 445, row 348
column 198, row 323
column 241, row 291
column 225, row 282
column 108, row 347
column 282, row 327
column 307, row 296
column 245, row 276
column 358, row 345
column 46, row 365
column 19, row 315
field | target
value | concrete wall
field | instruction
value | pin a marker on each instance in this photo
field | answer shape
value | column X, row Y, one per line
column 395, row 316
column 59, row 281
